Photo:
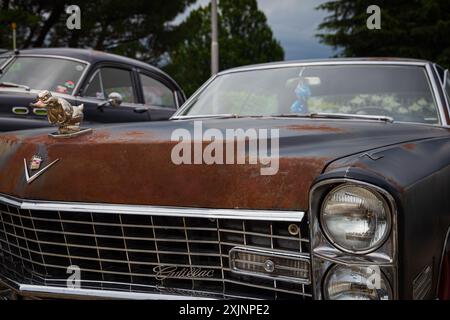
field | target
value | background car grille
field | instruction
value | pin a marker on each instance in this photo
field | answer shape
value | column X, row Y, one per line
column 120, row 251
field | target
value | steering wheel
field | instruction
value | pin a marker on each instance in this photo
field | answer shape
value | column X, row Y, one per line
column 376, row 111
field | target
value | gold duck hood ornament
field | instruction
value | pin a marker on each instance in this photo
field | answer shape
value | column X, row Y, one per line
column 62, row 114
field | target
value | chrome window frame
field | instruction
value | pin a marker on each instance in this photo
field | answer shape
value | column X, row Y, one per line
column 425, row 64
column 446, row 242
column 89, row 81
column 445, row 94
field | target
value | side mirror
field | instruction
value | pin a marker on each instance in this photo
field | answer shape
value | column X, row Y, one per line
column 115, row 99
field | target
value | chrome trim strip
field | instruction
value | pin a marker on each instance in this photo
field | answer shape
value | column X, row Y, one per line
column 35, row 289
column 445, row 78
column 271, row 215
column 437, row 96
column 323, row 63
column 446, row 240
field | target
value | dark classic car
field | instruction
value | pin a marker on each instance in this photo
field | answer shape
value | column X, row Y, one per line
column 298, row 180
column 112, row 88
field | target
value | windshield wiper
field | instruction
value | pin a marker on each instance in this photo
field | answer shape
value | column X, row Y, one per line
column 217, row 116
column 199, row 116
column 336, row 116
column 14, row 85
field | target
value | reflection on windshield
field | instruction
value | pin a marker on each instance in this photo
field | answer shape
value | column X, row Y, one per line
column 399, row 92
column 58, row 75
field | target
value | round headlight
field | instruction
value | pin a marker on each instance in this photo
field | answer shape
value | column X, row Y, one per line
column 356, row 283
column 355, row 218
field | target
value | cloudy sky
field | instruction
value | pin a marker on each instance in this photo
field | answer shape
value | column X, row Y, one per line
column 294, row 23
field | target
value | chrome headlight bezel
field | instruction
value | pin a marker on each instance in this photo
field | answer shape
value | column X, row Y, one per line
column 379, row 196
column 324, row 253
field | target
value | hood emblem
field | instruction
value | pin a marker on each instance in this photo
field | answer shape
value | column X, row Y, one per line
column 61, row 113
column 35, row 162
column 34, row 165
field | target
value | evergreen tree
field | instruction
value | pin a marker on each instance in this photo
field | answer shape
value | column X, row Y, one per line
column 134, row 28
column 409, row 28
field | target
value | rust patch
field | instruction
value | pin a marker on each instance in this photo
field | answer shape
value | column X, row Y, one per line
column 143, row 173
column 311, row 127
column 410, row 146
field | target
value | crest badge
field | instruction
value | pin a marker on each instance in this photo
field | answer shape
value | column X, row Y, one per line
column 35, row 163
column 33, row 167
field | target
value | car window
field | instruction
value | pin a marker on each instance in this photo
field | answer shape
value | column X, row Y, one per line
column 401, row 92
column 156, row 93
column 54, row 74
column 94, row 88
column 118, row 80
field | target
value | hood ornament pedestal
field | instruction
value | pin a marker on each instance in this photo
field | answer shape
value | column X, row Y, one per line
column 61, row 113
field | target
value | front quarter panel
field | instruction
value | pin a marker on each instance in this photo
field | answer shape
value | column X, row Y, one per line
column 417, row 175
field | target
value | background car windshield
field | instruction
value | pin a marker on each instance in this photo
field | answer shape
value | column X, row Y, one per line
column 58, row 75
column 401, row 92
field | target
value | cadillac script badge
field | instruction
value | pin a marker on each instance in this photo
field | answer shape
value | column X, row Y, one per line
column 35, row 164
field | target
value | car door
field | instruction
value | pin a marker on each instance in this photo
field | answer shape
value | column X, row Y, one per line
column 107, row 79
column 160, row 100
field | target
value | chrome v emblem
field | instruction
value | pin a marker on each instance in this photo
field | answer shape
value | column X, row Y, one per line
column 33, row 177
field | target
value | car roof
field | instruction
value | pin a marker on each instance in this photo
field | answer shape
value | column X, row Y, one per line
column 92, row 57
column 327, row 61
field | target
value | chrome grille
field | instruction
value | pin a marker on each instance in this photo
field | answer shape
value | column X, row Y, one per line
column 121, row 251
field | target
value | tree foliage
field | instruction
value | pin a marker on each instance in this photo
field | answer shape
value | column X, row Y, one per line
column 409, row 28
column 244, row 38
column 133, row 28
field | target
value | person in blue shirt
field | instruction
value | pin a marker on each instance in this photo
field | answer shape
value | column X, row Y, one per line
column 302, row 92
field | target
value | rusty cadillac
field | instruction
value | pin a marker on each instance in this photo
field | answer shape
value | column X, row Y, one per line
column 297, row 180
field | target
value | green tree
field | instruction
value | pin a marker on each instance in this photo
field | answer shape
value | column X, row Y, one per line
column 409, row 28
column 133, row 28
column 244, row 38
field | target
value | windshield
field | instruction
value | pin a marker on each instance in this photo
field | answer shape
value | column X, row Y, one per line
column 54, row 74
column 400, row 92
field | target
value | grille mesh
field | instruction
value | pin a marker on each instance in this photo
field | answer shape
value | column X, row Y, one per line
column 121, row 252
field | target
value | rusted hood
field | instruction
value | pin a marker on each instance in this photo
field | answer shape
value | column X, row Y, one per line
column 131, row 164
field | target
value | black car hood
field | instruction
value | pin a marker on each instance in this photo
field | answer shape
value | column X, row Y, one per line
column 132, row 164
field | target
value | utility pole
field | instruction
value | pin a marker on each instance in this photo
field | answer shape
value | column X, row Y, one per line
column 14, row 26
column 214, row 39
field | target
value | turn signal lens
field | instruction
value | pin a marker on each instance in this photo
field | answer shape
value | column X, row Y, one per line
column 270, row 264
